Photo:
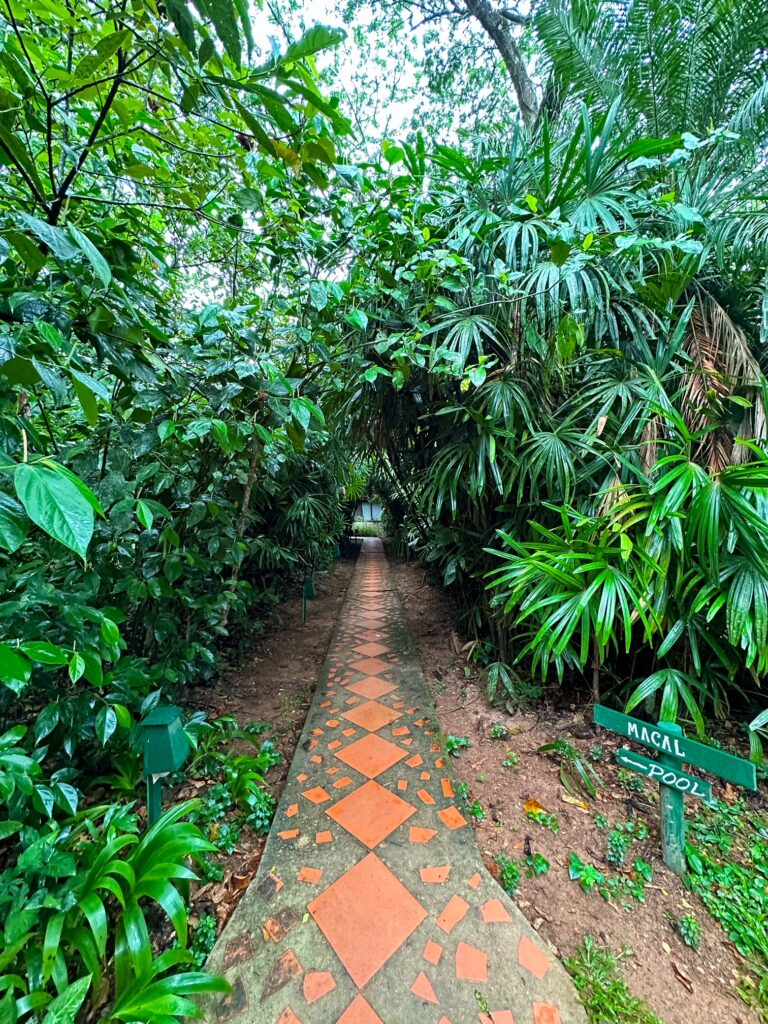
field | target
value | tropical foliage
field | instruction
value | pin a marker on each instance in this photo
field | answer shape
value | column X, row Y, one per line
column 538, row 333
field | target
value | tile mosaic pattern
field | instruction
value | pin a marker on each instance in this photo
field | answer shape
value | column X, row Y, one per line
column 371, row 905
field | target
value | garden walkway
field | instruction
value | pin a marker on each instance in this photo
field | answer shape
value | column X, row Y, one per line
column 372, row 905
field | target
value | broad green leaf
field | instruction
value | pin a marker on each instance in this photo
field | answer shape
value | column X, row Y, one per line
column 13, row 150
column 94, row 257
column 357, row 318
column 57, row 240
column 313, row 41
column 144, row 514
column 13, row 524
column 55, row 505
column 318, row 295
column 14, row 669
column 65, row 1007
column 106, row 48
column 106, row 723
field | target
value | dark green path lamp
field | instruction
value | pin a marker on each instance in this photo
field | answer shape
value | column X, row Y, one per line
column 166, row 748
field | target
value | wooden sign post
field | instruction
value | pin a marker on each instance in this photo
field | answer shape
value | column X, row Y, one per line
column 674, row 750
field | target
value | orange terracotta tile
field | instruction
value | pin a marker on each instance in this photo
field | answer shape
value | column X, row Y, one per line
column 370, row 666
column 372, row 688
column 348, row 732
column 402, row 785
column 415, row 761
column 318, row 984
column 317, row 795
column 371, row 649
column 401, row 730
column 425, row 776
column 310, row 875
column 421, row 835
column 432, row 952
column 447, row 788
column 292, row 811
column 318, row 732
column 426, row 797
column 474, row 881
column 360, row 1011
column 444, row 1020
column 371, row 813
column 288, row 1017
column 349, row 913
column 533, row 958
column 302, row 778
column 399, row 704
column 408, row 742
column 453, row 912
column 451, row 817
column 471, row 963
column 502, row 1017
column 440, row 762
column 494, row 912
column 331, row 771
column 435, row 875
column 371, row 755
column 324, row 837
column 335, row 745
column 372, row 715
column 422, row 988
column 545, row 1013
column 332, row 723
column 316, row 759
column 290, row 833
column 343, row 782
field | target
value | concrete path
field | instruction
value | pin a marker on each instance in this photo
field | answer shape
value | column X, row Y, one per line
column 372, row 905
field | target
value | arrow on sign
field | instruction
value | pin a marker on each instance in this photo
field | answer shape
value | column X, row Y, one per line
column 667, row 776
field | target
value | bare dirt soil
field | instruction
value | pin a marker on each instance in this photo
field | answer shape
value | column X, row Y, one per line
column 679, row 985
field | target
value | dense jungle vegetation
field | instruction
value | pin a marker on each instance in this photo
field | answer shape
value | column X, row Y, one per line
column 532, row 315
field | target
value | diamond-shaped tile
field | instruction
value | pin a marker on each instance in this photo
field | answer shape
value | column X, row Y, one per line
column 371, row 715
column 360, row 1011
column 370, row 666
column 371, row 649
column 371, row 812
column 366, row 916
column 372, row 688
column 371, row 755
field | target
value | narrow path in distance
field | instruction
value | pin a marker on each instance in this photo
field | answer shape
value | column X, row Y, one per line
column 372, row 905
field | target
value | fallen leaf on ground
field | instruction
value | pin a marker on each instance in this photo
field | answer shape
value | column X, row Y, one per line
column 534, row 807
column 682, row 976
column 581, row 804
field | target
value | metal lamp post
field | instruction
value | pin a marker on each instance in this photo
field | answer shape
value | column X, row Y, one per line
column 166, row 748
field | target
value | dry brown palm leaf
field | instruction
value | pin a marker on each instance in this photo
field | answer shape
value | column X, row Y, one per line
column 721, row 362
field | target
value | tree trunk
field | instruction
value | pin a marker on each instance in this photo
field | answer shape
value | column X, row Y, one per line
column 498, row 28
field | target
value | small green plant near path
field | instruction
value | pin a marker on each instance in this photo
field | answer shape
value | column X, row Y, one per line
column 509, row 874
column 473, row 807
column 630, row 781
column 620, row 841
column 499, row 731
column 623, row 887
column 602, row 990
column 544, row 818
column 512, row 760
column 690, row 931
column 455, row 744
column 535, row 865
column 576, row 774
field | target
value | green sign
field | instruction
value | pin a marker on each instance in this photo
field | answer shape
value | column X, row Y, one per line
column 734, row 769
column 685, row 784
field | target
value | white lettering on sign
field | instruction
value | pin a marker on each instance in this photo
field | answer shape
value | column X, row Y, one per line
column 654, row 738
